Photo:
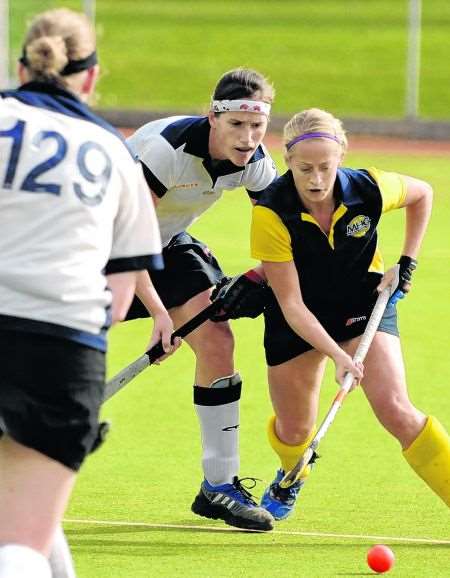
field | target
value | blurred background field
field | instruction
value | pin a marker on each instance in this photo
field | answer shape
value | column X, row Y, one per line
column 344, row 55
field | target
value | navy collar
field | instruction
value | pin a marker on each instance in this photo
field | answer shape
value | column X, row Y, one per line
column 344, row 190
column 54, row 97
column 197, row 138
column 51, row 89
column 197, row 144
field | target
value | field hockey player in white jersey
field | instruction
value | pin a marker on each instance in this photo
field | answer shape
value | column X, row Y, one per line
column 188, row 163
column 77, row 224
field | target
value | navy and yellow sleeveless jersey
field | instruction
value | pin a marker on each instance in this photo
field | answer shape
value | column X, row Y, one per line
column 343, row 266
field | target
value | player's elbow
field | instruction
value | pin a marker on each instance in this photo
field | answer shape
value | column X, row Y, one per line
column 122, row 287
column 426, row 191
column 419, row 193
column 119, row 312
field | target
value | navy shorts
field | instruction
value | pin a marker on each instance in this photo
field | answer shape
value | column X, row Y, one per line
column 281, row 343
column 189, row 269
column 51, row 390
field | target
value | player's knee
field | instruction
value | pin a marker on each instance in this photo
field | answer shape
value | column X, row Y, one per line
column 217, row 341
column 399, row 417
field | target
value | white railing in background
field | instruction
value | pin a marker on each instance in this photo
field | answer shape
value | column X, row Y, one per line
column 89, row 9
column 412, row 98
column 5, row 81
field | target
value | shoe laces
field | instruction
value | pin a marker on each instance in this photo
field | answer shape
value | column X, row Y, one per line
column 286, row 495
column 243, row 491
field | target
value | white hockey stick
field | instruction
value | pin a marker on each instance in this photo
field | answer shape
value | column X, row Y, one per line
column 360, row 354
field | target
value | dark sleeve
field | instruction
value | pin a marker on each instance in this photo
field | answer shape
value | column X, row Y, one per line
column 155, row 185
column 259, row 173
column 123, row 264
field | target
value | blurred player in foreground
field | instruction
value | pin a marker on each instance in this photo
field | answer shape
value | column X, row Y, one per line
column 77, row 223
column 188, row 163
column 315, row 231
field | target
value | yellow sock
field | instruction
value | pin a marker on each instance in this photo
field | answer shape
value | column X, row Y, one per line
column 289, row 455
column 429, row 456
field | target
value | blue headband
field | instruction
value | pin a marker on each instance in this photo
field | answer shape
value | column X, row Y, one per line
column 308, row 135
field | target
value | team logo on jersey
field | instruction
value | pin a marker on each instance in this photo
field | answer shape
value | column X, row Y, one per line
column 358, row 226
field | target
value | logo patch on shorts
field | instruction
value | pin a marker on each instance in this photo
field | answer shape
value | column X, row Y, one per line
column 355, row 320
column 358, row 226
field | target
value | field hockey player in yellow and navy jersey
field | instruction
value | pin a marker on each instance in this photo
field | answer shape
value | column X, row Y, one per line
column 315, row 231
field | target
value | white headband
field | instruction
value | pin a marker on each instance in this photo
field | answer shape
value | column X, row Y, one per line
column 241, row 106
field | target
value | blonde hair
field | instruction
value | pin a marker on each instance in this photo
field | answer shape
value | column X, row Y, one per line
column 54, row 38
column 314, row 120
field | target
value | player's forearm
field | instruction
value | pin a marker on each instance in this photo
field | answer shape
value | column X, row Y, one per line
column 308, row 327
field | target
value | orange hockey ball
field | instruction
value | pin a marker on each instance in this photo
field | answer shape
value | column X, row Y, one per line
column 380, row 558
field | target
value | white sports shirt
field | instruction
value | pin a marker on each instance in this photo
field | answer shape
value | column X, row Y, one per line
column 179, row 170
column 74, row 206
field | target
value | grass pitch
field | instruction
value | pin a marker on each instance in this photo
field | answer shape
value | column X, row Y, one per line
column 362, row 492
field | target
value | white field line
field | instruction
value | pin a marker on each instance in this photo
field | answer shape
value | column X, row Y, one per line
column 278, row 532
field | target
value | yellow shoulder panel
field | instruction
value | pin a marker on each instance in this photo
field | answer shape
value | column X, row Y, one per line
column 392, row 186
column 270, row 240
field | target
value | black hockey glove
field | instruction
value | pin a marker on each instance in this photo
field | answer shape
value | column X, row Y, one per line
column 245, row 295
column 407, row 265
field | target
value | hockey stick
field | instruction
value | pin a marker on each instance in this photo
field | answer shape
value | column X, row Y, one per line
column 360, row 354
column 131, row 371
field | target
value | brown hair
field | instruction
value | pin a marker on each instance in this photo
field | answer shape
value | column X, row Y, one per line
column 53, row 39
column 243, row 83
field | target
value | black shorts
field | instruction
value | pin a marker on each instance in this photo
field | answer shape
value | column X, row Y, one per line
column 189, row 269
column 51, row 390
column 281, row 343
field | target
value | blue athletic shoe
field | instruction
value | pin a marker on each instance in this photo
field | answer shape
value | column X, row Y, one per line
column 232, row 503
column 280, row 502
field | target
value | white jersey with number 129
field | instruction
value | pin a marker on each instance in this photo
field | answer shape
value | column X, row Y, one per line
column 73, row 206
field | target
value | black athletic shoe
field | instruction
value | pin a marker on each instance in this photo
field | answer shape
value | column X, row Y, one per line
column 233, row 504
